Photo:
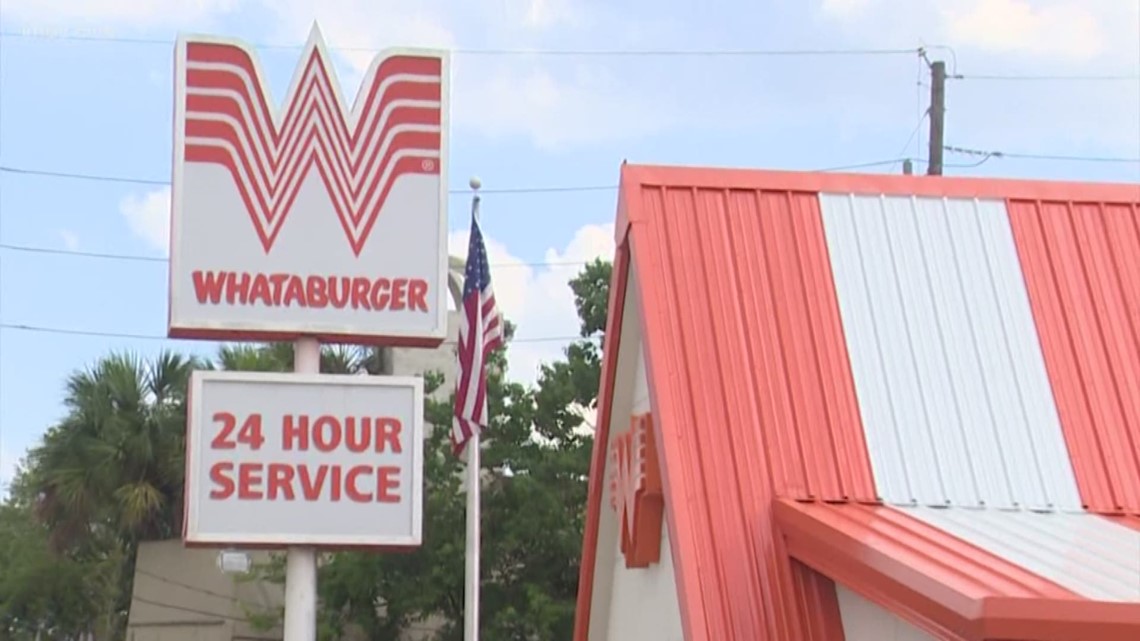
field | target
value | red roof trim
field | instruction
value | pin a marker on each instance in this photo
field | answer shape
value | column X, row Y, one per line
column 941, row 583
column 597, row 483
column 938, row 186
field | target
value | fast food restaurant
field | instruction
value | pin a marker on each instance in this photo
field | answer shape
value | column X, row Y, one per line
column 858, row 407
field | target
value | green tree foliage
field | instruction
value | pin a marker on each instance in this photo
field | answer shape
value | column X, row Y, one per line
column 41, row 591
column 109, row 475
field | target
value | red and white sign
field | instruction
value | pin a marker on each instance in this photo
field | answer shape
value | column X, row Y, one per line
column 311, row 219
column 270, row 463
column 635, row 492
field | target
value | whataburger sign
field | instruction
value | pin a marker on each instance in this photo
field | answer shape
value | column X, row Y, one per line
column 311, row 219
column 307, row 221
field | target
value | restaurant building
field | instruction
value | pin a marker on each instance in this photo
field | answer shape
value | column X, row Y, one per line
column 852, row 407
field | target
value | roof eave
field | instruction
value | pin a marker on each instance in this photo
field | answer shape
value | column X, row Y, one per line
column 938, row 606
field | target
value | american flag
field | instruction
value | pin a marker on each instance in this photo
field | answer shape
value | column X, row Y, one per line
column 480, row 332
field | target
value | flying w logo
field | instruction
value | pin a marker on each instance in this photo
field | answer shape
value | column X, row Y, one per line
column 636, row 492
column 393, row 130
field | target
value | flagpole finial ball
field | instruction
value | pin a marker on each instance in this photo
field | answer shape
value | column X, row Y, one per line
column 475, row 183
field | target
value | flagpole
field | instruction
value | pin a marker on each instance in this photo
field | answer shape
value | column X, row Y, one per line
column 474, row 489
column 471, row 591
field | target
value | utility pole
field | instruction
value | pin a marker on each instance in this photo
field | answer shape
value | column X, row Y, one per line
column 937, row 116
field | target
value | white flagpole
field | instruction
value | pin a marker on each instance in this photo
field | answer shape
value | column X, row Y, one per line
column 471, row 589
column 474, row 489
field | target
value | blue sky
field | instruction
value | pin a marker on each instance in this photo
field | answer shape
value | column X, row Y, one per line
column 84, row 90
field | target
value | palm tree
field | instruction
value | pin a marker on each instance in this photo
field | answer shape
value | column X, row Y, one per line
column 110, row 474
column 278, row 357
column 115, row 461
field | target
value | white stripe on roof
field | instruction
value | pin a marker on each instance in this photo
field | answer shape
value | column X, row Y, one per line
column 953, row 392
column 1082, row 552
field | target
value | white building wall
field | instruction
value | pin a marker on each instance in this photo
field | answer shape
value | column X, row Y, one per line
column 865, row 621
column 631, row 604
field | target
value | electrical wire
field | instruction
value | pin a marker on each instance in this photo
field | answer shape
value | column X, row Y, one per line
column 51, row 251
column 9, row 169
column 158, row 337
column 189, row 610
column 1038, row 156
column 1046, row 77
column 921, row 51
column 107, row 178
column 608, row 53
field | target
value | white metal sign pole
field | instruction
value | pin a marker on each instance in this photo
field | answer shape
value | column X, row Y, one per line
column 301, row 562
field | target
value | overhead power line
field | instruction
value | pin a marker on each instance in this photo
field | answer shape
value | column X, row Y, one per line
column 1037, row 156
column 47, row 34
column 608, row 53
column 136, row 180
column 7, row 169
column 67, row 331
column 1048, row 77
column 52, row 251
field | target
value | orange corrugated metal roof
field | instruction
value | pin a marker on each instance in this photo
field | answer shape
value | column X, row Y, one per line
column 751, row 383
column 1085, row 285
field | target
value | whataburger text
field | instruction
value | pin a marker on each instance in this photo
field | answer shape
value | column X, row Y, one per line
column 313, row 291
column 237, row 478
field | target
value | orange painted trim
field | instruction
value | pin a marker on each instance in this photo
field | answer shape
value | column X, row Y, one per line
column 626, row 191
column 817, row 595
column 937, row 186
column 597, row 482
column 940, row 583
column 635, row 485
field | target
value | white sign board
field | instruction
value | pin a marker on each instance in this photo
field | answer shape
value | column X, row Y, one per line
column 304, row 459
column 311, row 219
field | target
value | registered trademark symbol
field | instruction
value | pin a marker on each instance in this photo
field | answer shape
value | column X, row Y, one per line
column 428, row 165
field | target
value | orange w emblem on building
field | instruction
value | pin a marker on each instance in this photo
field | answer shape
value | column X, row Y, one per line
column 635, row 485
column 393, row 130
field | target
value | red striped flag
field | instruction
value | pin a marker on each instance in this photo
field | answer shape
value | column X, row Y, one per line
column 480, row 332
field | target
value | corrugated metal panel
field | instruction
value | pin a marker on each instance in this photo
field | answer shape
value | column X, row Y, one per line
column 883, row 540
column 951, row 381
column 865, row 621
column 1082, row 269
column 1083, row 552
column 939, row 582
column 749, row 371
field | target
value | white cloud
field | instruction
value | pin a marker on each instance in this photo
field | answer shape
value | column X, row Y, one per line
column 69, row 238
column 1064, row 29
column 1018, row 38
column 494, row 96
column 148, row 216
column 538, row 299
column 844, row 8
column 553, row 106
column 1070, row 31
column 589, row 106
column 61, row 16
